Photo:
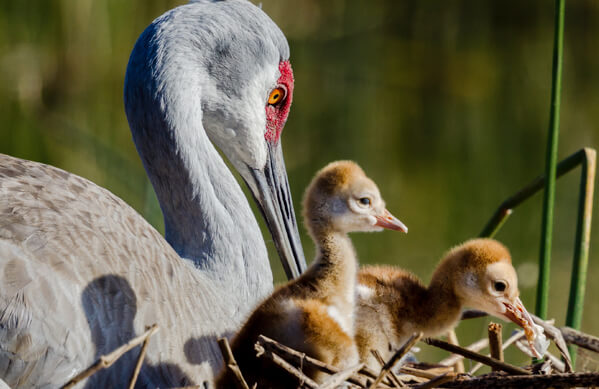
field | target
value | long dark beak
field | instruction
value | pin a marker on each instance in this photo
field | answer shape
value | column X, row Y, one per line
column 271, row 191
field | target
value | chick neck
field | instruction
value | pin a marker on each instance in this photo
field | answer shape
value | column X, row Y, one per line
column 442, row 305
column 335, row 264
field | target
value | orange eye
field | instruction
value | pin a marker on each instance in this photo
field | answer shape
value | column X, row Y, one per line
column 276, row 96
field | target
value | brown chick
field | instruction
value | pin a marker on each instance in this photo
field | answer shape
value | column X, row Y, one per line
column 315, row 313
column 392, row 303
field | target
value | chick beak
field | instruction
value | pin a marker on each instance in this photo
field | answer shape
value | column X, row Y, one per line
column 516, row 312
column 386, row 220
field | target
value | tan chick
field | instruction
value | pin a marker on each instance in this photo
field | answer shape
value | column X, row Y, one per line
column 392, row 303
column 315, row 313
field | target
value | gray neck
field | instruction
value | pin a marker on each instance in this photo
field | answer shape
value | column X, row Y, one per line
column 207, row 218
column 210, row 221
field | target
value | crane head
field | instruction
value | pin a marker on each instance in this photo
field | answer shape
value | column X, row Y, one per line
column 223, row 67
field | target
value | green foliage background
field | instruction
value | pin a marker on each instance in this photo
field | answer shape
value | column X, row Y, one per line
column 445, row 104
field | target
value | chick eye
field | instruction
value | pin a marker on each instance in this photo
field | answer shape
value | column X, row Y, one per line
column 364, row 201
column 277, row 95
column 499, row 286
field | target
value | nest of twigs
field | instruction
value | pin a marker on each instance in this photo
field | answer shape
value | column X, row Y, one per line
column 552, row 371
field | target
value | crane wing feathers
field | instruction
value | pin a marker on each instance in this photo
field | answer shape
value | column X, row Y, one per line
column 82, row 272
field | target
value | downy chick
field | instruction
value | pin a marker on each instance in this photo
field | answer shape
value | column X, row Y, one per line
column 393, row 303
column 315, row 313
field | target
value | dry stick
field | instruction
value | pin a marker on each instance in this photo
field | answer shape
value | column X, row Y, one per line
column 552, row 332
column 422, row 373
column 413, row 379
column 231, row 363
column 396, row 381
column 545, row 368
column 580, row 339
column 140, row 360
column 476, row 347
column 537, row 381
column 303, row 379
column 476, row 357
column 438, row 380
column 337, row 379
column 494, row 332
column 557, row 364
column 298, row 358
column 453, row 339
column 512, row 339
column 396, row 357
column 109, row 359
column 555, row 334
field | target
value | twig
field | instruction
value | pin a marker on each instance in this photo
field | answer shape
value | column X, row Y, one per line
column 231, row 363
column 396, row 381
column 396, row 357
column 109, row 359
column 512, row 339
column 557, row 335
column 580, row 339
column 438, row 380
column 405, row 377
column 557, row 364
column 476, row 357
column 453, row 339
column 337, row 379
column 495, row 341
column 140, row 360
column 543, row 368
column 303, row 379
column 537, row 381
column 476, row 347
column 424, row 373
column 298, row 358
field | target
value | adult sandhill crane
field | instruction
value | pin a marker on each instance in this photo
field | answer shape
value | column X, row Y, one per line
column 81, row 272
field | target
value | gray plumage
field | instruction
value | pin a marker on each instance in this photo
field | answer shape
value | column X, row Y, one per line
column 81, row 272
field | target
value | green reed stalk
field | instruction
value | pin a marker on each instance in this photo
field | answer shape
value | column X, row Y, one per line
column 551, row 162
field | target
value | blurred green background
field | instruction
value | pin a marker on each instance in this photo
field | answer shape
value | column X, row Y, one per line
column 445, row 105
